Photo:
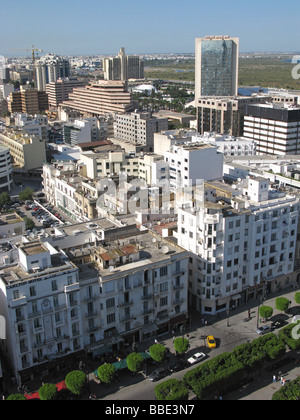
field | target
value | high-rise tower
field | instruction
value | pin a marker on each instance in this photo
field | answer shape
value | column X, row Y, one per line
column 216, row 72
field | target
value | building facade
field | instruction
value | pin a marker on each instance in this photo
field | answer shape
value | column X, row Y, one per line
column 58, row 91
column 101, row 98
column 6, row 170
column 216, row 66
column 123, row 67
column 242, row 243
column 274, row 127
column 50, row 68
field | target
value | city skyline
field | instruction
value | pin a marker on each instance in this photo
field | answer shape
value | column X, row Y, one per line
column 97, row 29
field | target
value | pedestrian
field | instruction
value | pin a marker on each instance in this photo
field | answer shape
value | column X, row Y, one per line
column 283, row 382
column 156, row 342
column 274, row 379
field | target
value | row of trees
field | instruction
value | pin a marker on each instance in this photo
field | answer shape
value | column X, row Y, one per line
column 107, row 372
column 281, row 303
column 75, row 382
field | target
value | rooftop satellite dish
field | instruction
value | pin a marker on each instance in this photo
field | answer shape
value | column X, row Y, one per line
column 165, row 250
column 111, row 268
column 154, row 240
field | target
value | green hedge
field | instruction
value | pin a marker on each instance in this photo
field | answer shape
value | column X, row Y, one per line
column 289, row 392
column 224, row 372
column 171, row 390
column 220, row 374
column 286, row 336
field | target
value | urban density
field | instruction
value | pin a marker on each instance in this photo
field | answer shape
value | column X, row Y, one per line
column 149, row 230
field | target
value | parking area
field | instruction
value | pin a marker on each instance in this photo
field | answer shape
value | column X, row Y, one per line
column 42, row 214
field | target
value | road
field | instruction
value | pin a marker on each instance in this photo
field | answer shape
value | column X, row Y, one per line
column 228, row 337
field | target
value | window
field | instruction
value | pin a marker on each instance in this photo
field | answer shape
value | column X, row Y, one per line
column 164, row 301
column 54, row 285
column 110, row 303
column 32, row 291
column 111, row 318
column 163, row 271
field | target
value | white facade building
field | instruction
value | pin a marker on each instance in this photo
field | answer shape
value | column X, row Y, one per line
column 6, row 170
column 191, row 162
column 241, row 250
column 83, row 297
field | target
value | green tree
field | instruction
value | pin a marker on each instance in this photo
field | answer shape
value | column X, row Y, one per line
column 48, row 392
column 16, row 397
column 29, row 223
column 4, row 199
column 106, row 373
column 297, row 298
column 171, row 390
column 157, row 352
column 134, row 362
column 265, row 312
column 181, row 345
column 76, row 381
column 26, row 194
column 282, row 304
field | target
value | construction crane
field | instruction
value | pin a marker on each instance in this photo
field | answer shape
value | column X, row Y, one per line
column 33, row 51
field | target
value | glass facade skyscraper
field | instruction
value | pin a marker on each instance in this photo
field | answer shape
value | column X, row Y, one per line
column 217, row 66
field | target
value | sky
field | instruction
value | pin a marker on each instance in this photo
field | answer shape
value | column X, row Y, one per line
column 75, row 27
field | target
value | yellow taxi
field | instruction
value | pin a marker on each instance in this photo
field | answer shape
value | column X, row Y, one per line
column 211, row 342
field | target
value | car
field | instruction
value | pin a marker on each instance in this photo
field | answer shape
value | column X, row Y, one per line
column 158, row 374
column 211, row 342
column 196, row 358
column 264, row 330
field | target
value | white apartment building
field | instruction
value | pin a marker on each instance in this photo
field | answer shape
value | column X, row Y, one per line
column 6, row 170
column 226, row 144
column 83, row 297
column 241, row 247
column 27, row 152
column 191, row 162
column 81, row 131
column 41, row 305
column 34, row 126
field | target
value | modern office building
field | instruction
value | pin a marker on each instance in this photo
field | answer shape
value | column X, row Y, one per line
column 58, row 91
column 216, row 72
column 138, row 128
column 123, row 67
column 28, row 101
column 101, row 98
column 274, row 127
column 224, row 115
column 50, row 68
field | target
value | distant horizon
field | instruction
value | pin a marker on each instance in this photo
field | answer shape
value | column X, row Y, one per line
column 97, row 27
column 141, row 53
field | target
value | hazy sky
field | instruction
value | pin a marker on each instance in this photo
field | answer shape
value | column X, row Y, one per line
column 102, row 27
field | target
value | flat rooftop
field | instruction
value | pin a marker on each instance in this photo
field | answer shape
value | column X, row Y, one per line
column 33, row 248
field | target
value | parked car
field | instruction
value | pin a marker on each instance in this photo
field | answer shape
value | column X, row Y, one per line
column 264, row 330
column 196, row 358
column 211, row 342
column 158, row 374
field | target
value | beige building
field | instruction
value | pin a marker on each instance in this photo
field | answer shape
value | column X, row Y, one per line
column 60, row 90
column 28, row 101
column 27, row 152
column 123, row 67
column 101, row 98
